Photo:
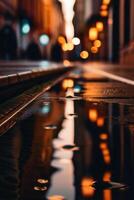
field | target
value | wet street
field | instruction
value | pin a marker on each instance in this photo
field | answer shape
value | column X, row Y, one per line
column 74, row 142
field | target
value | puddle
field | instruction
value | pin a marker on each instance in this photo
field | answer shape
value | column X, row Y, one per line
column 91, row 146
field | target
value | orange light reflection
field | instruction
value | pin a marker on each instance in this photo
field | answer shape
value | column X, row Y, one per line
column 103, row 136
column 107, row 159
column 103, row 145
column 87, row 182
column 107, row 176
column 100, row 122
column 88, row 191
column 107, row 194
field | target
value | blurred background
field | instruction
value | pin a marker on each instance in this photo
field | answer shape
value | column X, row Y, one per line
column 62, row 30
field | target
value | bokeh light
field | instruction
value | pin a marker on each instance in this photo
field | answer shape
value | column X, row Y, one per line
column 76, row 41
column 94, row 49
column 106, row 2
column 93, row 33
column 44, row 39
column 61, row 40
column 104, row 13
column 99, row 26
column 97, row 43
column 103, row 136
column 104, row 7
column 67, row 83
column 25, row 28
column 93, row 115
column 84, row 54
column 100, row 121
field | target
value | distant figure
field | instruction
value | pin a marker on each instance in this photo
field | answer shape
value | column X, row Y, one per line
column 56, row 53
column 8, row 39
column 33, row 51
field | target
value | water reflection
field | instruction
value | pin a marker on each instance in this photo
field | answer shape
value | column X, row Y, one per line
column 69, row 149
column 10, row 146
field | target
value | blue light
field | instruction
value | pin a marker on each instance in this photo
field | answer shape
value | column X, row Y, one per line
column 44, row 39
column 45, row 109
column 26, row 28
column 77, row 89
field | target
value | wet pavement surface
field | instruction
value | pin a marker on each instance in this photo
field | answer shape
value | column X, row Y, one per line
column 75, row 142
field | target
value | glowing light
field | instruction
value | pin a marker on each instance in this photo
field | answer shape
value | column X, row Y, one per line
column 93, row 115
column 106, row 2
column 67, row 83
column 87, row 182
column 77, row 89
column 66, row 63
column 40, row 188
column 107, row 194
column 45, row 109
column 103, row 146
column 103, row 136
column 107, row 176
column 104, row 7
column 61, row 40
column 88, row 191
column 104, row 13
column 100, row 122
column 76, row 41
column 94, row 49
column 97, row 43
column 68, row 12
column 65, row 47
column 56, row 197
column 93, row 33
column 70, row 46
column 105, row 152
column 42, row 181
column 99, row 26
column 26, row 28
column 44, row 39
column 86, row 187
column 84, row 54
column 107, row 159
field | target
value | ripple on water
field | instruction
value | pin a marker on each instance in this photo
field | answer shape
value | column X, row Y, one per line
column 71, row 147
column 42, row 181
column 50, row 127
column 40, row 188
